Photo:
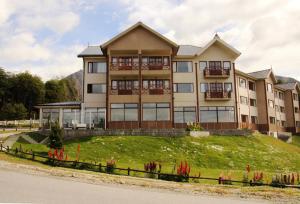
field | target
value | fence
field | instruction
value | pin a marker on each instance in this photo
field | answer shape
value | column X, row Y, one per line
column 30, row 155
column 19, row 124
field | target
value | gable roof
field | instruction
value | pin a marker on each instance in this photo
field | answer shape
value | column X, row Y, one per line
column 188, row 50
column 239, row 72
column 263, row 74
column 91, row 51
column 222, row 42
column 288, row 86
column 139, row 24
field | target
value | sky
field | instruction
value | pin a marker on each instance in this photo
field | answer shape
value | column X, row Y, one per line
column 44, row 37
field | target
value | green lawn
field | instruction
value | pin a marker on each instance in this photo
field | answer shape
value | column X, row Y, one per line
column 210, row 156
column 296, row 141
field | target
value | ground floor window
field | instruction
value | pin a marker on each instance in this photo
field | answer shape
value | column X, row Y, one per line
column 272, row 120
column 254, row 119
column 70, row 117
column 184, row 114
column 50, row 115
column 124, row 112
column 217, row 114
column 95, row 117
column 244, row 118
column 156, row 111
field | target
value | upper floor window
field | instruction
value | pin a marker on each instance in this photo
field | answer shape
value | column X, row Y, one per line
column 252, row 102
column 182, row 67
column 156, row 84
column 96, row 88
column 202, row 65
column 271, row 103
column 295, row 96
column 155, row 60
column 203, row 87
column 215, row 65
column 166, row 61
column 124, row 84
column 226, row 65
column 228, row 87
column 270, row 88
column 252, row 86
column 183, row 88
column 281, row 95
column 243, row 83
column 244, row 100
column 282, row 109
column 96, row 67
column 125, row 61
column 296, row 110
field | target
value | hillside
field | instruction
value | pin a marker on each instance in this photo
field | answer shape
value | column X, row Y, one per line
column 283, row 79
column 210, row 155
column 76, row 78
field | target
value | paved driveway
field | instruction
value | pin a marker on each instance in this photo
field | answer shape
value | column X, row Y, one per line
column 19, row 187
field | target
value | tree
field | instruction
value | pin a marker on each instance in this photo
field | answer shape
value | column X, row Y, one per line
column 15, row 111
column 4, row 87
column 54, row 91
column 56, row 136
column 27, row 89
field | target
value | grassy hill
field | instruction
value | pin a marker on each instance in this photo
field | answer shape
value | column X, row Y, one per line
column 210, row 156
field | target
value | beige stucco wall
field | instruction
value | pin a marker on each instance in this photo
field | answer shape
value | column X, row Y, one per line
column 93, row 100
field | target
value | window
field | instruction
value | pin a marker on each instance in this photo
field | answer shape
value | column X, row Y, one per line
column 202, row 65
column 182, row 67
column 244, row 118
column 252, row 102
column 295, row 96
column 183, row 88
column 270, row 88
column 283, row 123
column 124, row 84
column 114, row 60
column 244, row 100
column 277, row 108
column 166, row 61
column 217, row 114
column 296, row 110
column 276, row 94
column 271, row 103
column 243, row 83
column 95, row 116
column 215, row 65
column 226, row 65
column 297, row 123
column 281, row 95
column 97, row 67
column 155, row 61
column 156, row 111
column 282, row 109
column 216, row 87
column 124, row 112
column 125, row 61
column 203, row 87
column 184, row 114
column 228, row 87
column 254, row 119
column 272, row 120
column 96, row 88
column 156, row 84
column 252, row 86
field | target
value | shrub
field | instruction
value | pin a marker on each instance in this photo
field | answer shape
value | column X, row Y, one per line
column 280, row 180
column 110, row 166
column 193, row 126
column 152, row 168
column 183, row 171
column 225, row 179
column 56, row 136
column 258, row 178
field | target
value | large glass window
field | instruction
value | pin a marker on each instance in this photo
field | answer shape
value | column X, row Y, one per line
column 156, row 84
column 217, row 114
column 95, row 117
column 96, row 67
column 184, row 114
column 156, row 111
column 183, row 88
column 50, row 115
column 96, row 88
column 215, row 65
column 227, row 65
column 182, row 67
column 228, row 87
column 70, row 117
column 124, row 112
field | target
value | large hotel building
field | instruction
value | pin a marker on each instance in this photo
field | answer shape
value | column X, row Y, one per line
column 141, row 79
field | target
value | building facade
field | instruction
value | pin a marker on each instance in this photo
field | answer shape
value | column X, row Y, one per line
column 141, row 79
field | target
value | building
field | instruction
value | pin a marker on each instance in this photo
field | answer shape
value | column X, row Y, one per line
column 141, row 79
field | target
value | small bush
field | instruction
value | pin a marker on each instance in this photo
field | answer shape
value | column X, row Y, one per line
column 225, row 179
column 258, row 179
column 193, row 126
column 152, row 168
column 56, row 136
column 110, row 166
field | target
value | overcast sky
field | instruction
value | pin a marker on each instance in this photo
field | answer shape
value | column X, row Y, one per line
column 45, row 36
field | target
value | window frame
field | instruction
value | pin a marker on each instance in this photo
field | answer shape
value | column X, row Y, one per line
column 90, row 88
column 175, row 69
column 175, row 87
column 91, row 71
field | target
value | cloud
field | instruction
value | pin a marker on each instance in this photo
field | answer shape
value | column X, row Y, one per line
column 266, row 32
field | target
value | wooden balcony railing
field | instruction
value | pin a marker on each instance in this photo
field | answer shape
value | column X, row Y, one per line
column 124, row 66
column 216, row 72
column 124, row 91
column 152, row 66
column 157, row 91
column 212, row 95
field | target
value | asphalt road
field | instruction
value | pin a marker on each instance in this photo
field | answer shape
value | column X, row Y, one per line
column 17, row 187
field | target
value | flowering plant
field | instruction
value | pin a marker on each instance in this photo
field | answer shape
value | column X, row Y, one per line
column 151, row 168
column 184, row 169
column 193, row 126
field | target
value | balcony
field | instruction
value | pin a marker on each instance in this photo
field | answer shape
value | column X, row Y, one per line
column 124, row 66
column 124, row 91
column 156, row 91
column 213, row 72
column 217, row 95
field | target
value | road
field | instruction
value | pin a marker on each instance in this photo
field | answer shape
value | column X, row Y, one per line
column 16, row 187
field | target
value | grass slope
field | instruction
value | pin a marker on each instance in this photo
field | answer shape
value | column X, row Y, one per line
column 210, row 155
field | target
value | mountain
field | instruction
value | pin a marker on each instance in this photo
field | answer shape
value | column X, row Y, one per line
column 76, row 78
column 282, row 79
